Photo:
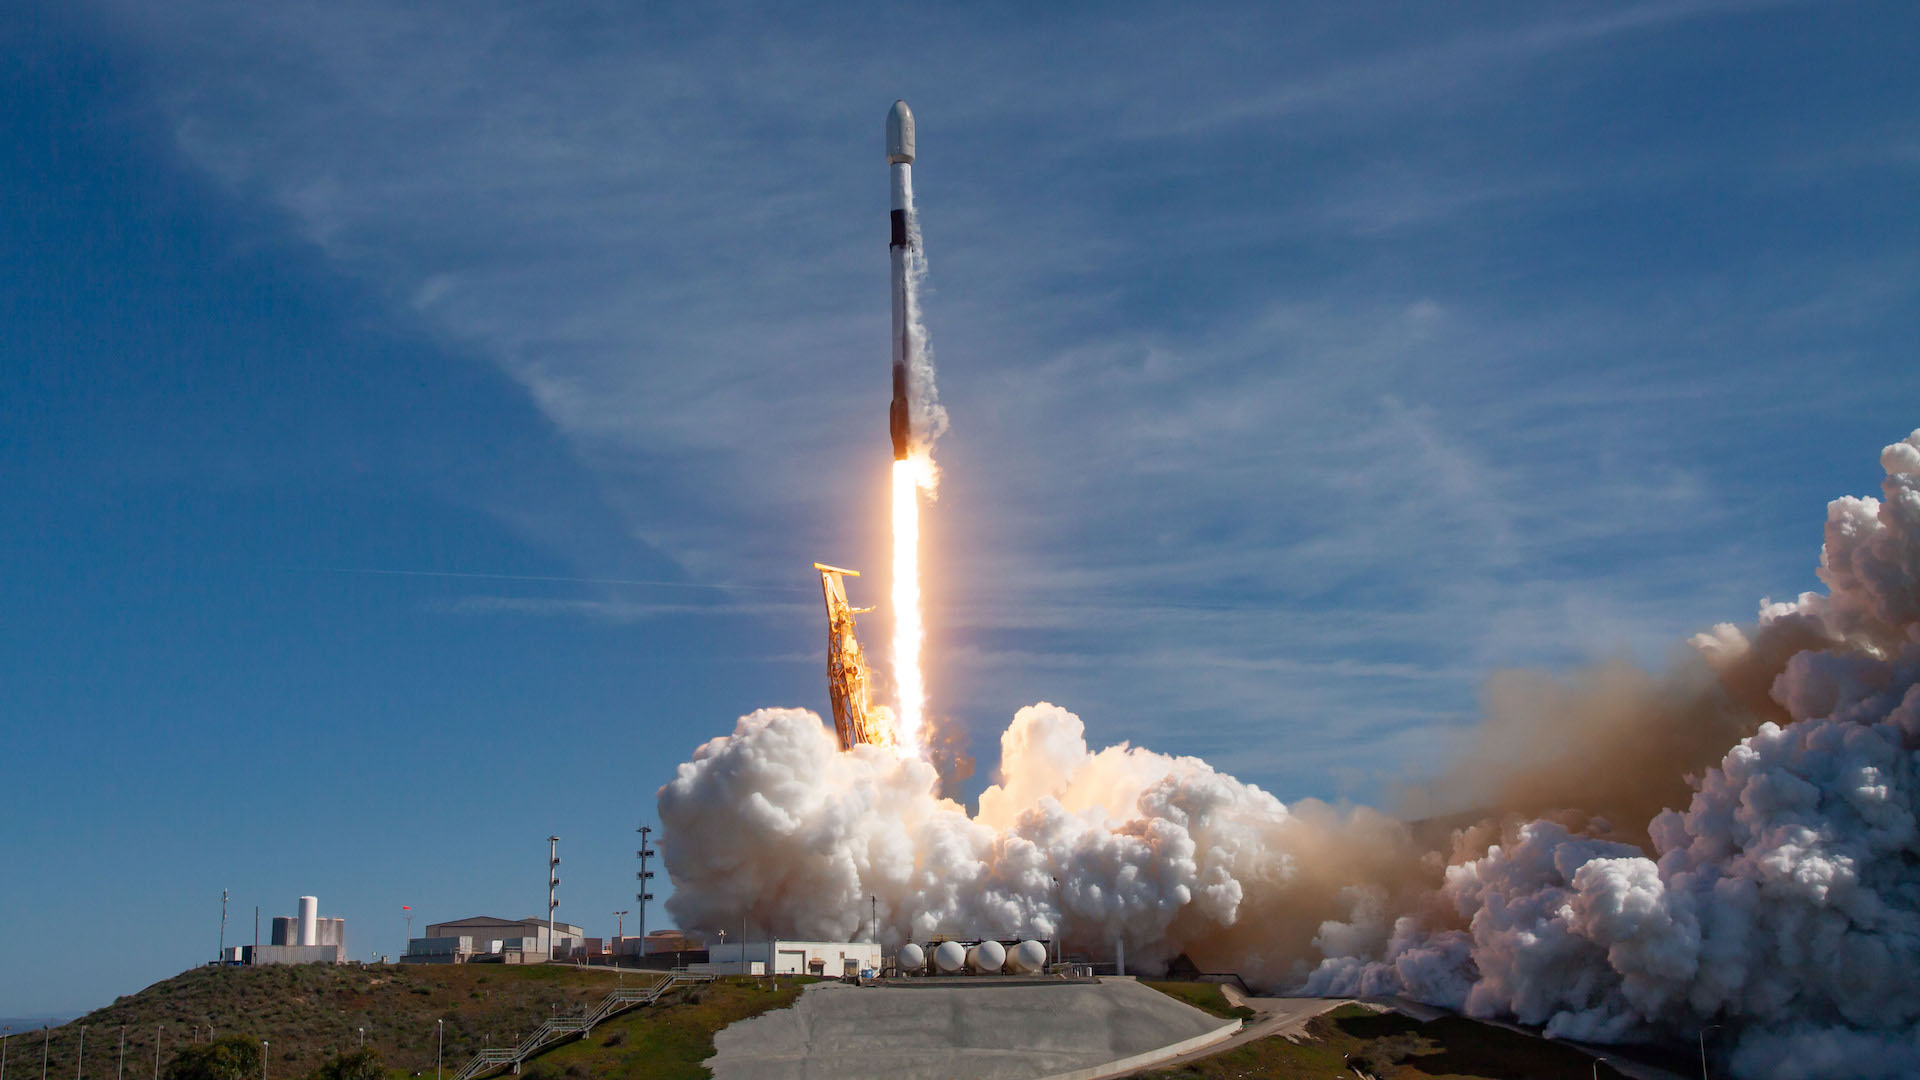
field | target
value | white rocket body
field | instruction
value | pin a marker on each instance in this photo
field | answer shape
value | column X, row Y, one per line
column 899, row 249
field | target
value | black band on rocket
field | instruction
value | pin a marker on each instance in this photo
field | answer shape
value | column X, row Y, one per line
column 899, row 229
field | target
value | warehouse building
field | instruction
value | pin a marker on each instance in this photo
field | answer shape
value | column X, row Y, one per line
column 511, row 941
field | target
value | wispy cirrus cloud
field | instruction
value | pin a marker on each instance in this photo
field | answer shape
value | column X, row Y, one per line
column 1295, row 369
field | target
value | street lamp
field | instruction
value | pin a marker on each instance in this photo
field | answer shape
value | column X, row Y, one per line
column 120, row 1069
column 363, row 1038
column 1703, row 1049
column 263, row 1059
column 81, row 1056
column 441, row 1049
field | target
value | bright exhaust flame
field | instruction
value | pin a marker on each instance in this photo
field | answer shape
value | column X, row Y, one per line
column 909, row 628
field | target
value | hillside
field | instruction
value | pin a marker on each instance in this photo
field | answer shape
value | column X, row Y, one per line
column 309, row 1013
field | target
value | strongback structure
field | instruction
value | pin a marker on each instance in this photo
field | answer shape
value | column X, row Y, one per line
column 855, row 718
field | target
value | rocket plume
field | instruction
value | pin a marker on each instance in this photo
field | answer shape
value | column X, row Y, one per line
column 910, row 476
column 1780, row 906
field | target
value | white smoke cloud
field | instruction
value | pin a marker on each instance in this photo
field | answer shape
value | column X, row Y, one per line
column 773, row 830
column 1783, row 903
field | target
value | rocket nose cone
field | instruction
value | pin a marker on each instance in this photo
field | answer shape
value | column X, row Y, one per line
column 900, row 133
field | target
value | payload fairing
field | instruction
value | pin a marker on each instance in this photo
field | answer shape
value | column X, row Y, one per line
column 900, row 247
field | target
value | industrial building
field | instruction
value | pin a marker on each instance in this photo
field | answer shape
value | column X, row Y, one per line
column 511, row 941
column 832, row 959
column 658, row 942
column 305, row 938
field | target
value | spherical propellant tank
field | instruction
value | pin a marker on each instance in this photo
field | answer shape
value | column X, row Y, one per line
column 1028, row 958
column 912, row 959
column 987, row 958
column 949, row 957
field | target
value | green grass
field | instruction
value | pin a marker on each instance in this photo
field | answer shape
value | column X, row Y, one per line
column 1451, row 1048
column 665, row 1041
column 310, row 1013
column 1202, row 995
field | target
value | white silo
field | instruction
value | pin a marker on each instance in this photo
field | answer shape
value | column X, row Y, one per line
column 987, row 958
column 912, row 959
column 949, row 957
column 1027, row 958
column 309, row 921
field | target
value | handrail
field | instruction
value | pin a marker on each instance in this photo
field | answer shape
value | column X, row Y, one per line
column 555, row 1028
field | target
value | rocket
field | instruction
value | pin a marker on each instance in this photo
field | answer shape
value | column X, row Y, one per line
column 900, row 248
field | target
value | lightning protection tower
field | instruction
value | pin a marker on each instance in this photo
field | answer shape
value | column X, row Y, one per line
column 553, row 888
column 645, row 875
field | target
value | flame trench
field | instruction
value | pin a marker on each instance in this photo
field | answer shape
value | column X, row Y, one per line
column 909, row 627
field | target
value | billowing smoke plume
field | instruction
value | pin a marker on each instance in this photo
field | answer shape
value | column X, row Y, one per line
column 1782, row 904
column 1784, row 901
column 773, row 830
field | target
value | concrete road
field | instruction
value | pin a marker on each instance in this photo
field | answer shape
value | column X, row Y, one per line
column 1276, row 1016
column 934, row 1033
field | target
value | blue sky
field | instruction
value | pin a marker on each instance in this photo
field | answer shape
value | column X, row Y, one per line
column 1306, row 364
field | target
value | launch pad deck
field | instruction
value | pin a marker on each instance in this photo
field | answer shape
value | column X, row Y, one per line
column 1029, row 1029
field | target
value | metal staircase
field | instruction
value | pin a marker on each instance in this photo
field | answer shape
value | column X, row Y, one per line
column 564, row 1027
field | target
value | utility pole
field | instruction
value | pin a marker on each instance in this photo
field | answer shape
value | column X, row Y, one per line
column 1703, row 1049
column 256, row 933
column 156, row 1052
column 553, row 886
column 644, row 876
column 80, row 1057
column 439, row 1050
column 120, row 1070
column 223, row 925
column 873, row 924
column 263, row 1059
column 1062, row 918
column 46, row 1033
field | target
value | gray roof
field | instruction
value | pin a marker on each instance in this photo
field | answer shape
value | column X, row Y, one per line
column 530, row 921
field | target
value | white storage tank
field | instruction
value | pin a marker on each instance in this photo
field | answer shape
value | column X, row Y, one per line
column 949, row 957
column 309, row 921
column 912, row 958
column 987, row 958
column 1028, row 958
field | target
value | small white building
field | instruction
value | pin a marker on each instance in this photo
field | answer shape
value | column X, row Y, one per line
column 829, row 959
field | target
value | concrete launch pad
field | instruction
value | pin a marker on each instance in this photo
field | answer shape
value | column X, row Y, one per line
column 1008, row 1032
